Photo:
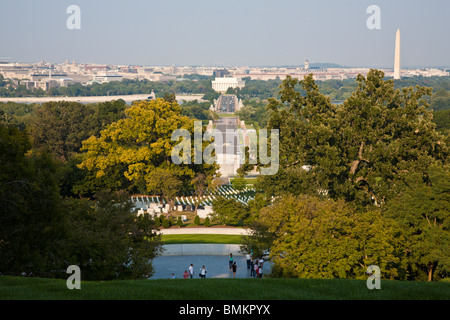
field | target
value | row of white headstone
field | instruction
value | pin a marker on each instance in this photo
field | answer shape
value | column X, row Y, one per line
column 153, row 214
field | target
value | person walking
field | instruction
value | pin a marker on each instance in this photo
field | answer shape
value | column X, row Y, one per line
column 230, row 262
column 255, row 268
column 260, row 273
column 252, row 270
column 185, row 274
column 203, row 272
column 234, row 269
column 191, row 271
column 249, row 259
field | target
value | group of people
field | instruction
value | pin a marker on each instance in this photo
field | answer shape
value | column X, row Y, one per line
column 189, row 273
column 254, row 265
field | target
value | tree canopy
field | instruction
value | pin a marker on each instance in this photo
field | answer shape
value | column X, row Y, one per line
column 311, row 238
column 359, row 150
column 140, row 146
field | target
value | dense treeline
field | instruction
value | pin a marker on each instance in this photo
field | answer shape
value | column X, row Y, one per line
column 43, row 228
column 42, row 233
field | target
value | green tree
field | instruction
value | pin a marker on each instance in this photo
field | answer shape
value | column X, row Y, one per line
column 422, row 209
column 179, row 221
column 239, row 182
column 170, row 97
column 197, row 220
column 202, row 183
column 140, row 147
column 164, row 183
column 229, row 211
column 107, row 241
column 32, row 223
column 61, row 127
column 165, row 223
column 313, row 238
column 442, row 120
column 358, row 150
column 259, row 241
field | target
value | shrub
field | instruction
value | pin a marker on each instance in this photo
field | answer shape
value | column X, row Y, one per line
column 165, row 223
column 157, row 222
column 179, row 221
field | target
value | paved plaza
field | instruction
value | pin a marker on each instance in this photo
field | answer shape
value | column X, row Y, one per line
column 216, row 266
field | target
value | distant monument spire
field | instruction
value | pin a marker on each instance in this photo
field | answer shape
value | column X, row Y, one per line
column 397, row 56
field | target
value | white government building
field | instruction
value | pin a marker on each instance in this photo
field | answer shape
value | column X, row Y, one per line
column 222, row 84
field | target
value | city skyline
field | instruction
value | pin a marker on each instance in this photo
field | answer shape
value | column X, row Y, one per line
column 197, row 32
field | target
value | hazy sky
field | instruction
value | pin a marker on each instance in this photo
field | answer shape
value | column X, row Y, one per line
column 226, row 32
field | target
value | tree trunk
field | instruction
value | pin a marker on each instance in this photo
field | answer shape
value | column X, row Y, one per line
column 430, row 273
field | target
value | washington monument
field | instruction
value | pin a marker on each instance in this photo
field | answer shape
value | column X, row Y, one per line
column 397, row 56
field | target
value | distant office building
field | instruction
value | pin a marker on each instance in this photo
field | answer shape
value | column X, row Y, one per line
column 46, row 84
column 220, row 73
column 28, row 84
column 49, row 75
column 222, row 84
column 64, row 82
column 160, row 77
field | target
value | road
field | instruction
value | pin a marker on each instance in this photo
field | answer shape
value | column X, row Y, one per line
column 227, row 104
column 224, row 124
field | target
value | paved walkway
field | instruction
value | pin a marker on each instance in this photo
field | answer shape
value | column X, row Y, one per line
column 208, row 230
column 201, row 249
column 177, row 257
column 216, row 266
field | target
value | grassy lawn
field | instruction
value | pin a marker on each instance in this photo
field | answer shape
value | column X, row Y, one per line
column 251, row 181
column 221, row 289
column 201, row 238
